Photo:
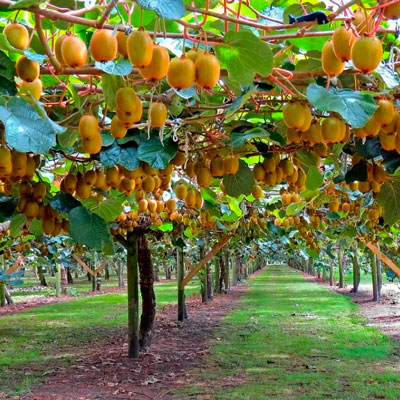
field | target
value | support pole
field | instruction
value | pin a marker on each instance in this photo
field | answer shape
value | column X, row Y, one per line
column 331, row 274
column 58, row 280
column 341, row 268
column 226, row 277
column 180, row 268
column 133, row 295
column 356, row 272
column 216, row 275
column 375, row 291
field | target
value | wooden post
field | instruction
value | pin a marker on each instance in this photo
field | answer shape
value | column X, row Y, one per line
column 341, row 268
column 356, row 271
column 375, row 291
column 216, row 275
column 58, row 280
column 133, row 295
column 331, row 274
column 379, row 274
column 180, row 268
column 94, row 277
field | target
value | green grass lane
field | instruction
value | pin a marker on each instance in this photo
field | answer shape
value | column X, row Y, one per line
column 54, row 333
column 293, row 339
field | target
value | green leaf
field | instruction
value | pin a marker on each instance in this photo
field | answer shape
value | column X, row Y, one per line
column 7, row 69
column 358, row 172
column 7, row 207
column 35, row 56
column 26, row 3
column 117, row 67
column 170, row 9
column 16, row 224
column 355, row 107
column 89, row 228
column 238, row 139
column 68, row 138
column 5, row 45
column 389, row 199
column 111, row 84
column 241, row 99
column 306, row 159
column 165, row 227
column 240, row 183
column 35, row 227
column 312, row 252
column 295, row 208
column 314, row 178
column 26, row 130
column 126, row 156
column 317, row 43
column 64, row 202
column 157, row 154
column 108, row 209
column 244, row 55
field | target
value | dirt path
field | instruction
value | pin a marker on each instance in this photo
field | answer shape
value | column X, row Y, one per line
column 385, row 315
column 106, row 373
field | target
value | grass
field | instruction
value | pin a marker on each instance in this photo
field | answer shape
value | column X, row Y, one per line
column 47, row 335
column 293, row 339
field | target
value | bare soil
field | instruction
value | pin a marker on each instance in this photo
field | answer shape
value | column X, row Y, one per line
column 106, row 373
column 384, row 315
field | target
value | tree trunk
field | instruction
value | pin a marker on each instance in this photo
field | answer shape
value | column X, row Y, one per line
column 356, row 272
column 133, row 295
column 375, row 290
column 341, row 267
column 156, row 276
column 9, row 299
column 42, row 278
column 89, row 276
column 217, row 288
column 222, row 272
column 107, row 273
column 121, row 282
column 2, row 294
column 203, row 276
column 180, row 270
column 209, row 282
column 234, row 269
column 226, row 274
column 98, row 281
column 324, row 277
column 70, row 280
column 146, row 271
column 58, row 280
column 168, row 273
column 331, row 274
column 76, row 274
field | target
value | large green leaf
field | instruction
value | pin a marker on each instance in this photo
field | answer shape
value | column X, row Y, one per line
column 306, row 159
column 240, row 183
column 389, row 199
column 35, row 227
column 295, row 208
column 26, row 3
column 89, row 228
column 117, row 67
column 241, row 99
column 16, row 224
column 7, row 72
column 238, row 139
column 111, row 84
column 170, row 9
column 64, row 202
column 356, row 108
column 157, row 154
column 126, row 156
column 244, row 55
column 314, row 178
column 7, row 207
column 108, row 209
column 26, row 130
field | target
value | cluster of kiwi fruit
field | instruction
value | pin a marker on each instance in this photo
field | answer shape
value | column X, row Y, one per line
column 28, row 70
column 14, row 167
column 356, row 43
